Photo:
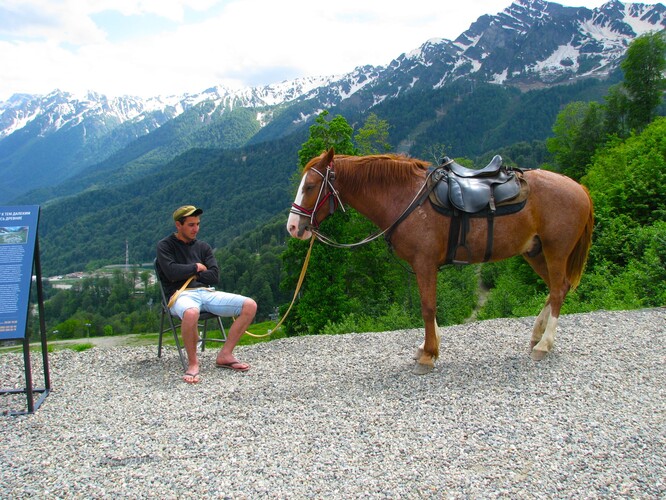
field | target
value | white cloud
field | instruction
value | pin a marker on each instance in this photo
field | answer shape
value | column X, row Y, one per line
column 151, row 47
column 169, row 9
column 42, row 20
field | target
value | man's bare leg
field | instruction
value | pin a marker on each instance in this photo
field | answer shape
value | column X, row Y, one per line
column 189, row 330
column 243, row 321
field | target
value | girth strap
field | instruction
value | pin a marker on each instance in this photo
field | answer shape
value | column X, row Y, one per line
column 458, row 229
column 489, row 241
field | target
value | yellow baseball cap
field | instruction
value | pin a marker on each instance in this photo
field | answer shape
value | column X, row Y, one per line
column 186, row 211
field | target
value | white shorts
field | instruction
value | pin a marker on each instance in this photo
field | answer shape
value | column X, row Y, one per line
column 208, row 300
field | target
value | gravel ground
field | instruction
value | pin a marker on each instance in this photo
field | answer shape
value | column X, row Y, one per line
column 344, row 417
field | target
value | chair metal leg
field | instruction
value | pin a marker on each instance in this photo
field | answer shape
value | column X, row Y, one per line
column 172, row 324
column 204, row 337
column 159, row 342
column 222, row 330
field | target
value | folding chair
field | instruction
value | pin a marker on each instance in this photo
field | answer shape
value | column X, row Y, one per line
column 173, row 324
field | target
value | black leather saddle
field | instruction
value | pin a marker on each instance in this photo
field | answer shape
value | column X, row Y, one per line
column 472, row 191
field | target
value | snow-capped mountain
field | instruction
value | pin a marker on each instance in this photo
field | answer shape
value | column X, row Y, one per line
column 59, row 109
column 530, row 43
column 539, row 41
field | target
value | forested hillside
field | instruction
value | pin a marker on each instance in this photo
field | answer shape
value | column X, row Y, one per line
column 238, row 189
column 368, row 289
column 472, row 119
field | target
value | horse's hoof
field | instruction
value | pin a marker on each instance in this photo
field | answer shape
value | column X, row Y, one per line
column 538, row 355
column 421, row 369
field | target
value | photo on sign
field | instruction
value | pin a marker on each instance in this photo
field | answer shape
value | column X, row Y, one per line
column 13, row 235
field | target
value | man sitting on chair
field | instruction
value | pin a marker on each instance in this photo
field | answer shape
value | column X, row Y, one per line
column 181, row 256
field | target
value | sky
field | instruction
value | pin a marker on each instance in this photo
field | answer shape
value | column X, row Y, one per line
column 149, row 48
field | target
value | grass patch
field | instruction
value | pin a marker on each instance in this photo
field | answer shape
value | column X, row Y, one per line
column 151, row 339
column 37, row 348
column 80, row 347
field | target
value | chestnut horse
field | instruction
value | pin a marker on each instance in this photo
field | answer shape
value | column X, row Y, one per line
column 552, row 232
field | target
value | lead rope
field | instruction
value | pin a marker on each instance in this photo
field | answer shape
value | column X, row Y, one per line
column 306, row 261
column 173, row 298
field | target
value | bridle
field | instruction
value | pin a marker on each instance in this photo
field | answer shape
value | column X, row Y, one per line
column 331, row 196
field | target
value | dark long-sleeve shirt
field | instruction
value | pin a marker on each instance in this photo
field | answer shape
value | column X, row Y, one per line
column 177, row 261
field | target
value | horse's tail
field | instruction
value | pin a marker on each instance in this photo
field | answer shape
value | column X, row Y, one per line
column 578, row 256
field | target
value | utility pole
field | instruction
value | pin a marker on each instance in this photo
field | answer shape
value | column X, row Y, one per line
column 126, row 256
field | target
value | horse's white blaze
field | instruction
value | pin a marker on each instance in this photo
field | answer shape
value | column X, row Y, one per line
column 294, row 221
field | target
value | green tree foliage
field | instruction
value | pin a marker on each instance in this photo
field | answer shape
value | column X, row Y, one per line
column 372, row 137
column 565, row 133
column 616, row 109
column 323, row 294
column 628, row 177
column 325, row 134
column 644, row 79
column 627, row 185
column 515, row 289
column 581, row 127
column 577, row 131
column 110, row 304
column 457, row 294
column 339, row 282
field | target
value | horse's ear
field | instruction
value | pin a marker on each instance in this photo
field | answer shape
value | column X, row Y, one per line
column 329, row 156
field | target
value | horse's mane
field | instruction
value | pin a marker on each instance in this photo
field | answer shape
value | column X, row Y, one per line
column 378, row 171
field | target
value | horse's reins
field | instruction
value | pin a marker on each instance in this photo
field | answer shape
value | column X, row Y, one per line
column 334, row 199
column 174, row 297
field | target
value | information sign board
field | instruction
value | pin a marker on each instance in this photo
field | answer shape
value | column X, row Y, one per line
column 18, row 234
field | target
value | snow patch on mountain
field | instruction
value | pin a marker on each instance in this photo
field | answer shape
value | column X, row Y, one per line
column 564, row 55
